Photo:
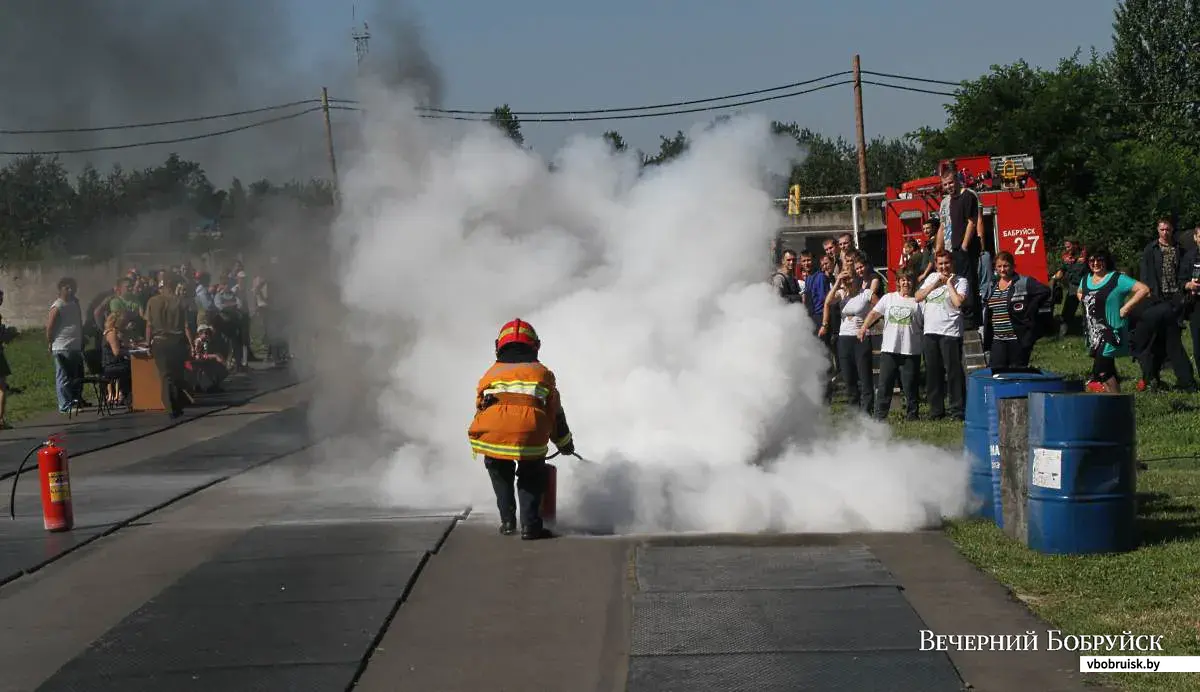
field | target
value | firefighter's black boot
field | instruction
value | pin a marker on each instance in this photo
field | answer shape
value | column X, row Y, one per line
column 508, row 528
column 534, row 534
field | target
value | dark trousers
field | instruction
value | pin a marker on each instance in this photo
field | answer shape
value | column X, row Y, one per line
column 944, row 374
column 831, row 363
column 966, row 265
column 1156, row 339
column 230, row 328
column 891, row 367
column 272, row 334
column 530, row 475
column 1069, row 307
column 854, row 356
column 1194, row 327
column 1008, row 354
column 170, row 356
column 244, row 329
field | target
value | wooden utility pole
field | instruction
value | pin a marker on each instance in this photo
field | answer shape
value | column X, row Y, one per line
column 329, row 142
column 862, row 137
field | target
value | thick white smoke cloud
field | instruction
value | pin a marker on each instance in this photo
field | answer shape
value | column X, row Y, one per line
column 692, row 387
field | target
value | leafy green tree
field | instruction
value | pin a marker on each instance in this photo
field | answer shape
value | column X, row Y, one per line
column 1141, row 181
column 668, row 149
column 1155, row 64
column 1062, row 118
column 891, row 162
column 503, row 118
column 829, row 166
column 615, row 140
column 37, row 208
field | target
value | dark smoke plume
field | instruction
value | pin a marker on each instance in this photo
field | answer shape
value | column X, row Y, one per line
column 94, row 63
column 400, row 60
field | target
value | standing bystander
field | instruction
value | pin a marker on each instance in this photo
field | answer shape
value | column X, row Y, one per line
column 170, row 338
column 64, row 333
column 1189, row 278
column 1157, row 330
column 962, row 236
column 943, row 296
column 784, row 279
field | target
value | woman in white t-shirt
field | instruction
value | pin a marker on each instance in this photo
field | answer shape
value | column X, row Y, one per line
column 900, row 347
column 942, row 297
column 854, row 299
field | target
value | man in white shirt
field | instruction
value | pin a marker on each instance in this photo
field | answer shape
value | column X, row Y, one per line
column 943, row 295
column 64, row 333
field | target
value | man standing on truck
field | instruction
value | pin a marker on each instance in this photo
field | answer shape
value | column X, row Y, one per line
column 961, row 218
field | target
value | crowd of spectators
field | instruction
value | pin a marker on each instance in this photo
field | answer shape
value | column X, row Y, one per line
column 949, row 285
column 197, row 327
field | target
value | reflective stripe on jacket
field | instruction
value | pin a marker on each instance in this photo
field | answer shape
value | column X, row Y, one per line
column 517, row 413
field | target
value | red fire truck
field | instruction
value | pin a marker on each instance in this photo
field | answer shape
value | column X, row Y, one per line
column 1008, row 197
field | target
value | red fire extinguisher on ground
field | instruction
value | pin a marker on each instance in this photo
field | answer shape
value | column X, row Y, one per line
column 57, row 511
column 550, row 497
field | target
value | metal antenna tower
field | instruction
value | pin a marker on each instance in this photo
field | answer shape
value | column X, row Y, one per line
column 362, row 38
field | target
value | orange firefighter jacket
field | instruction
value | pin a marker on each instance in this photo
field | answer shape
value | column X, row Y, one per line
column 517, row 412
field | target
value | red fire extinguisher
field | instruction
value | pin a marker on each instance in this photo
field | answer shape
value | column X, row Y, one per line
column 550, row 497
column 57, row 511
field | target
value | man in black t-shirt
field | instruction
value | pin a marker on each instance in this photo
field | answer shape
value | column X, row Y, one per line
column 962, row 235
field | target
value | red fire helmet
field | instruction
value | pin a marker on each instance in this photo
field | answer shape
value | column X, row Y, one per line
column 517, row 331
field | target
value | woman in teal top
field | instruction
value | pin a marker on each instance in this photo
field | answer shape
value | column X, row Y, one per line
column 1107, row 297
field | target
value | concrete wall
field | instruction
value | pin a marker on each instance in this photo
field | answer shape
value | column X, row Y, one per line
column 29, row 288
column 834, row 220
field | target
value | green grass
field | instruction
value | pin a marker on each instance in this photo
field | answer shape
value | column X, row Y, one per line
column 32, row 379
column 1154, row 590
column 31, row 384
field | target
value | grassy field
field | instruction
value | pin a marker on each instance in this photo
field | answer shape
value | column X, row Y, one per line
column 32, row 381
column 1154, row 590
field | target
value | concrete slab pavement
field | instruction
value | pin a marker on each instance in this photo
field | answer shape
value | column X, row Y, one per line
column 88, row 431
column 493, row 612
column 117, row 485
column 271, row 583
column 955, row 597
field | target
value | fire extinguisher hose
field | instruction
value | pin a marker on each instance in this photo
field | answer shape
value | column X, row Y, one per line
column 574, row 454
column 12, row 498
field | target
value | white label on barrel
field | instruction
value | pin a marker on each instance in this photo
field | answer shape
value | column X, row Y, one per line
column 1047, row 468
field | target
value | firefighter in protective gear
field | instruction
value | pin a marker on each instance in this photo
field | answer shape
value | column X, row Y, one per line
column 517, row 414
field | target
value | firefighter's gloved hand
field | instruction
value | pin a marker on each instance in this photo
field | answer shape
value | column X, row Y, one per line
column 568, row 449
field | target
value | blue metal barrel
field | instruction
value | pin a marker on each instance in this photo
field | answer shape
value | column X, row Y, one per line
column 975, row 441
column 1082, row 473
column 1014, row 385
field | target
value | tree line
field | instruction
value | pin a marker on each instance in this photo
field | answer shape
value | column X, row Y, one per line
column 1114, row 138
column 45, row 214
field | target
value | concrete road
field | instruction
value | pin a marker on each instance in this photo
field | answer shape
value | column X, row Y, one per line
column 251, row 571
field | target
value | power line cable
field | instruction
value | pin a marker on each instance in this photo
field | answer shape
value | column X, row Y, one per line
column 908, row 88
column 455, row 114
column 911, row 79
column 632, row 116
column 593, row 111
column 190, row 138
column 160, row 123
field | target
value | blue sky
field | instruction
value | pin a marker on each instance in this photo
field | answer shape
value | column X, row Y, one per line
column 544, row 55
